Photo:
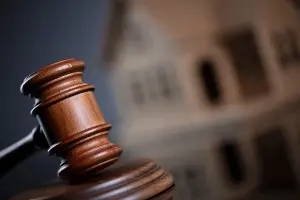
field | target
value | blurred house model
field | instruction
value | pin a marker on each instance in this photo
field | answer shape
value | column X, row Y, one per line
column 210, row 89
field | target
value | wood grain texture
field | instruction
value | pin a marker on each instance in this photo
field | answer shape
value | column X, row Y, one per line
column 76, row 131
column 139, row 179
column 68, row 113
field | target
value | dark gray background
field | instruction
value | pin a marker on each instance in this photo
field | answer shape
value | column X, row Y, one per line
column 35, row 33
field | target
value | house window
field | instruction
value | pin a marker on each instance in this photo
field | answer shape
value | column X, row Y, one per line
column 287, row 48
column 153, row 86
column 164, row 83
column 136, row 36
column 209, row 81
column 137, row 90
column 247, row 63
column 233, row 162
column 152, row 90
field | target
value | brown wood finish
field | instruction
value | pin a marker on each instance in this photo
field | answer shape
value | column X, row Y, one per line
column 76, row 131
column 142, row 179
column 68, row 113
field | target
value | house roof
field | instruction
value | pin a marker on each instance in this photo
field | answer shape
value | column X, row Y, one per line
column 178, row 19
column 114, row 28
column 183, row 19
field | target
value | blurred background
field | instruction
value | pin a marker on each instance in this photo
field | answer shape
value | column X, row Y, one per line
column 207, row 88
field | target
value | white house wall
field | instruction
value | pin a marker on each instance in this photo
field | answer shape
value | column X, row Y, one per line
column 179, row 54
column 268, row 17
column 132, row 63
column 196, row 147
column 181, row 19
column 142, row 61
column 186, row 132
column 191, row 55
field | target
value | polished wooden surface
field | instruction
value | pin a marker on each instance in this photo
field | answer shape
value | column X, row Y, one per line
column 68, row 114
column 76, row 131
column 139, row 179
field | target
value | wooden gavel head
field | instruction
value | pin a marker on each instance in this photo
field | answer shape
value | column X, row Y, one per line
column 67, row 111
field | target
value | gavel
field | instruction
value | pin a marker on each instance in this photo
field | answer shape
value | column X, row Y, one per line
column 72, row 127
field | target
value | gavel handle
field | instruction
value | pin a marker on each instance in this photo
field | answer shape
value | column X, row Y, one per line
column 22, row 149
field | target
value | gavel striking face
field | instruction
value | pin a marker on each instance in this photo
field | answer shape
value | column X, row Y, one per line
column 71, row 120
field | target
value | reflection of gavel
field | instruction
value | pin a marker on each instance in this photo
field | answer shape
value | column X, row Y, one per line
column 74, row 129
